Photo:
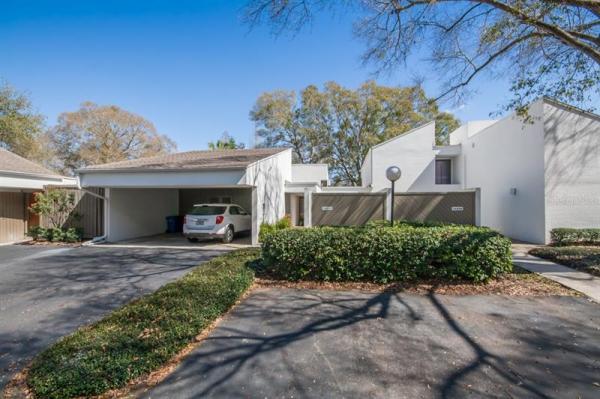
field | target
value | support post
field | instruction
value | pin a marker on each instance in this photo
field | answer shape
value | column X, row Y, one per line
column 307, row 207
column 392, row 205
column 255, row 217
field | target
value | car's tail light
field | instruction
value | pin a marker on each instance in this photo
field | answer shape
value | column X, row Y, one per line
column 185, row 220
column 219, row 219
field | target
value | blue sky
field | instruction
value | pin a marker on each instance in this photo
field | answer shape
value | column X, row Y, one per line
column 190, row 67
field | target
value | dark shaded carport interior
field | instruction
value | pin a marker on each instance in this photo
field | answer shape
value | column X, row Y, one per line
column 190, row 196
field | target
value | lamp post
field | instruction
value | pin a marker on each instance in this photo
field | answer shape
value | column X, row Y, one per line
column 393, row 173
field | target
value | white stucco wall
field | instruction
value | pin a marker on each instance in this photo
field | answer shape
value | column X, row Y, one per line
column 139, row 212
column 268, row 177
column 469, row 130
column 509, row 154
column 572, row 173
column 310, row 173
column 366, row 172
column 414, row 153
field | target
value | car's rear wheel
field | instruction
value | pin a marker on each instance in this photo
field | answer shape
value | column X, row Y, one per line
column 192, row 239
column 228, row 235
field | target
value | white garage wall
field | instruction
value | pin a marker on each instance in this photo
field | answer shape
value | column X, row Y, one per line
column 572, row 158
column 139, row 212
column 268, row 177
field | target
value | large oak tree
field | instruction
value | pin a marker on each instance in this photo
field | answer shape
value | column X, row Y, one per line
column 545, row 47
column 97, row 134
column 21, row 127
column 338, row 125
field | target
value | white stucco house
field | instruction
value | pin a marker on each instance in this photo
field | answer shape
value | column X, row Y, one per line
column 19, row 179
column 529, row 177
column 139, row 194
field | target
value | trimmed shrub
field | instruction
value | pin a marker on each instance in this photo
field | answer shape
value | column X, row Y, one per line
column 142, row 335
column 385, row 254
column 568, row 236
column 586, row 259
column 36, row 232
column 281, row 224
column 54, row 234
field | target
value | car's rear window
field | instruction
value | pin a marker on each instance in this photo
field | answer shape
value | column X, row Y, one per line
column 207, row 210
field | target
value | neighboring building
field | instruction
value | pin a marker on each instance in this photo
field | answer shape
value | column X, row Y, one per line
column 19, row 179
column 140, row 193
column 530, row 177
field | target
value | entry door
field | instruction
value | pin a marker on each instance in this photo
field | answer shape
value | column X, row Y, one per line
column 12, row 216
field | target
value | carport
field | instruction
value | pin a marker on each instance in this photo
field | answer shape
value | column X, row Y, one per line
column 141, row 193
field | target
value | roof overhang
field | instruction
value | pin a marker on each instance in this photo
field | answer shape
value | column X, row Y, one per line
column 154, row 170
column 298, row 187
column 10, row 180
column 448, row 150
column 27, row 175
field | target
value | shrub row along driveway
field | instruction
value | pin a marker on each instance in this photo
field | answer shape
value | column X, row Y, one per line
column 315, row 344
column 47, row 293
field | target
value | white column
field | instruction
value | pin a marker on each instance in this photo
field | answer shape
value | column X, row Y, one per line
column 478, row 206
column 307, row 207
column 294, row 209
column 106, row 204
column 255, row 217
column 388, row 204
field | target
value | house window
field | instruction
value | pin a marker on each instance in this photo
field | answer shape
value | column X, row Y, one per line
column 443, row 171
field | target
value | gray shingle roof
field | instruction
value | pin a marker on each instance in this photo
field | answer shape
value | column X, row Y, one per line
column 13, row 163
column 191, row 160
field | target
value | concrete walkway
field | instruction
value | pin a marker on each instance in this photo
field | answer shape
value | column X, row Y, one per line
column 579, row 281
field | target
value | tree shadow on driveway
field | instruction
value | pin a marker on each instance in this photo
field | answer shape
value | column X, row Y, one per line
column 349, row 344
column 44, row 298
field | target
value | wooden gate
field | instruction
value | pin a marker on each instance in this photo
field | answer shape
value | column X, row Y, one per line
column 13, row 221
column 347, row 209
column 450, row 207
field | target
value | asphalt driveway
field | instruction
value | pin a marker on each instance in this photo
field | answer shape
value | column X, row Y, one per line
column 323, row 344
column 47, row 293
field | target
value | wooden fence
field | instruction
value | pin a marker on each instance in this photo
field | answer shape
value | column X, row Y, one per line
column 449, row 207
column 88, row 214
column 13, row 221
column 347, row 209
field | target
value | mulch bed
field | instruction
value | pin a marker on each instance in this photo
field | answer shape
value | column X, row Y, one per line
column 519, row 283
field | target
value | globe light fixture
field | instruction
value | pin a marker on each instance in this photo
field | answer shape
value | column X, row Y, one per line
column 393, row 173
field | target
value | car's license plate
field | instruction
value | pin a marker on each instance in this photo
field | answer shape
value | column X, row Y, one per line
column 200, row 221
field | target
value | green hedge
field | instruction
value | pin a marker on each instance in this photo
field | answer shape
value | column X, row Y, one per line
column 141, row 336
column 385, row 254
column 568, row 236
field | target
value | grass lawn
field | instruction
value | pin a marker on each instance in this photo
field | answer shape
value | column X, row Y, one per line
column 582, row 258
column 142, row 335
